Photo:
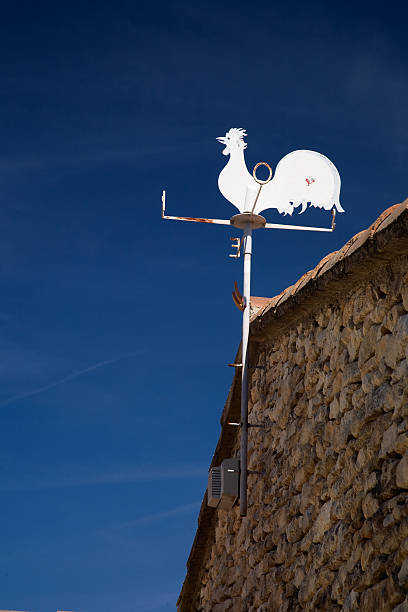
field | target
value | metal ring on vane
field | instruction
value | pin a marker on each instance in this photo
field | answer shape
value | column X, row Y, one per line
column 259, row 180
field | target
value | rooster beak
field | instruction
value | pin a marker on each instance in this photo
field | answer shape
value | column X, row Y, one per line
column 222, row 139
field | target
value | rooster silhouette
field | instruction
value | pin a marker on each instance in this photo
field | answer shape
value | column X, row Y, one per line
column 301, row 178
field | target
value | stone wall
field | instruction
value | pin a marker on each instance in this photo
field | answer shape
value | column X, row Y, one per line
column 327, row 524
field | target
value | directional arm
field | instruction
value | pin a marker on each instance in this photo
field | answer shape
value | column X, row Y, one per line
column 305, row 227
column 195, row 219
column 298, row 227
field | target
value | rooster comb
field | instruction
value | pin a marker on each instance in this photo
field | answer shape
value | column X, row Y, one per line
column 238, row 132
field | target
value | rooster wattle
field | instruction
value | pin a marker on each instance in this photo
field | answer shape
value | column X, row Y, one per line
column 301, row 178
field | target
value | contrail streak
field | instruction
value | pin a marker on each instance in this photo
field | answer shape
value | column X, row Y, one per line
column 121, row 532
column 120, row 477
column 68, row 378
column 157, row 516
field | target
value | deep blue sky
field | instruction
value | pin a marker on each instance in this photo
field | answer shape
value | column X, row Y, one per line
column 116, row 327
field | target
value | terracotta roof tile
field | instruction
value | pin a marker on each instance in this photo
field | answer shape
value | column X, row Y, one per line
column 374, row 227
column 321, row 263
column 330, row 262
column 282, row 297
column 359, row 240
column 259, row 302
column 394, row 212
column 273, row 302
column 302, row 280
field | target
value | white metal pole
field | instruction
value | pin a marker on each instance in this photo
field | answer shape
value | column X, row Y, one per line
column 244, row 391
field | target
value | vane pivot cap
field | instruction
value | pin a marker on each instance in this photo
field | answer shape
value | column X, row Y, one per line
column 244, row 219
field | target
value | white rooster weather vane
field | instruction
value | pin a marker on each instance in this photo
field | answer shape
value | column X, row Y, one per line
column 301, row 178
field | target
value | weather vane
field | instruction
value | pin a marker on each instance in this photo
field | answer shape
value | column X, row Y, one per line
column 301, row 178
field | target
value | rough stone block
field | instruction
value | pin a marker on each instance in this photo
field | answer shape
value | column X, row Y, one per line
column 370, row 506
column 402, row 472
column 323, row 521
column 403, row 574
column 368, row 345
column 381, row 596
column 351, row 373
column 402, row 607
column 389, row 440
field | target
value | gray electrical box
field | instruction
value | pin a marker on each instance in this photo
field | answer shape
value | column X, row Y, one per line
column 229, row 483
column 214, row 486
column 223, row 484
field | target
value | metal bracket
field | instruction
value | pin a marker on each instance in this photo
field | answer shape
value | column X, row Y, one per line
column 239, row 300
column 333, row 224
column 248, row 424
column 250, row 367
